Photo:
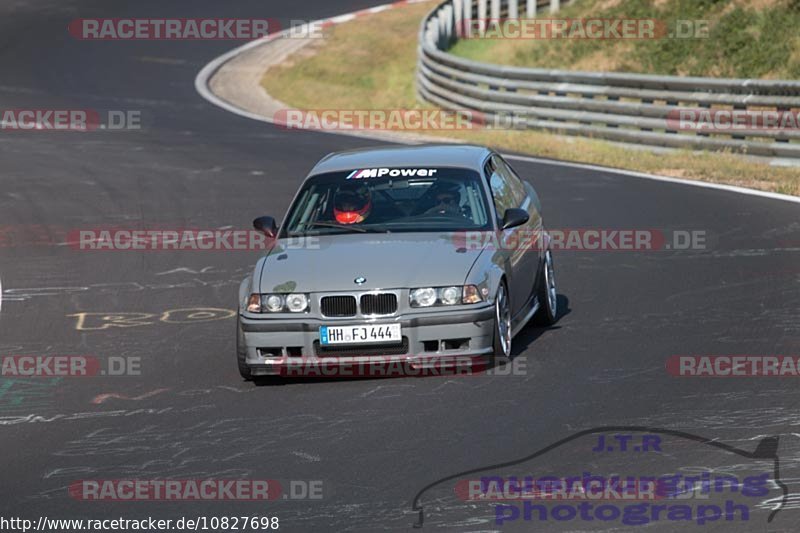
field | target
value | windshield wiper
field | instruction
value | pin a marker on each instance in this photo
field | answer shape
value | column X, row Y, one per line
column 359, row 229
column 336, row 225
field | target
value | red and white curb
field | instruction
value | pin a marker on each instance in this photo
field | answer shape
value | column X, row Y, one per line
column 201, row 84
column 369, row 11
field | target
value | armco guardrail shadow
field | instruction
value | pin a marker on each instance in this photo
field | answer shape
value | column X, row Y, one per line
column 614, row 106
column 766, row 450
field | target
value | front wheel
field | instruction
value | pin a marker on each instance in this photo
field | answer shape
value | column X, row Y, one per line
column 546, row 293
column 502, row 325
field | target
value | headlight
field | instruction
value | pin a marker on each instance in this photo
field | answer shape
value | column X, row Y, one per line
column 273, row 303
column 430, row 296
column 297, row 303
column 425, row 297
column 277, row 303
column 450, row 295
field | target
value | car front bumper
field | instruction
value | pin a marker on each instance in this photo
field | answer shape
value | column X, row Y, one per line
column 431, row 340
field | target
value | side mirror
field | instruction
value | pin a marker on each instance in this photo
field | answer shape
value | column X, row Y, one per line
column 515, row 217
column 267, row 226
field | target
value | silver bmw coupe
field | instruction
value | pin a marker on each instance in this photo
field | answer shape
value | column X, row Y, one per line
column 414, row 255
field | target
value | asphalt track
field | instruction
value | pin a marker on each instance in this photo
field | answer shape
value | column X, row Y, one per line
column 373, row 443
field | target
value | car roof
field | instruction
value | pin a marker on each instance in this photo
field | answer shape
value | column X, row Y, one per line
column 429, row 155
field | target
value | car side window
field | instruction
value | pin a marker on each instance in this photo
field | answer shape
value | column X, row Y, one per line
column 515, row 184
column 502, row 195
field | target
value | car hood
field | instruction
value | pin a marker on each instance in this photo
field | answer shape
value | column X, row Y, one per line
column 387, row 261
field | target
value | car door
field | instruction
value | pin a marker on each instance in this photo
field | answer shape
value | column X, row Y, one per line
column 513, row 255
column 530, row 233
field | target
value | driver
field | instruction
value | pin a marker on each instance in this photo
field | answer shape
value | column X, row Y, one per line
column 352, row 203
column 448, row 199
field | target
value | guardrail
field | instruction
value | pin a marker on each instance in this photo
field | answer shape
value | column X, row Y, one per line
column 632, row 108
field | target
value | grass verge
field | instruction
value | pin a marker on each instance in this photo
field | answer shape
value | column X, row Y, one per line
column 369, row 63
column 739, row 39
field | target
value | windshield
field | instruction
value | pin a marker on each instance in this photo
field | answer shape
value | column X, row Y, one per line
column 390, row 200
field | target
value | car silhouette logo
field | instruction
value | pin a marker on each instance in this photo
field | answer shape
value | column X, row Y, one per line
column 360, row 280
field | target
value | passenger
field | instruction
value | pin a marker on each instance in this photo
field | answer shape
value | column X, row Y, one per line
column 448, row 199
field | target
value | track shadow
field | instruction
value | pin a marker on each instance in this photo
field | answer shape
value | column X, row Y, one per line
column 531, row 331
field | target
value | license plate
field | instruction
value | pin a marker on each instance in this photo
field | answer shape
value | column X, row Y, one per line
column 360, row 334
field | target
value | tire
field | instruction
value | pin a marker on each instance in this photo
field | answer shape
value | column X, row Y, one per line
column 502, row 325
column 546, row 293
column 241, row 353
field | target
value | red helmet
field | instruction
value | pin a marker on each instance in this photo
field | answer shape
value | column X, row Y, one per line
column 352, row 203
